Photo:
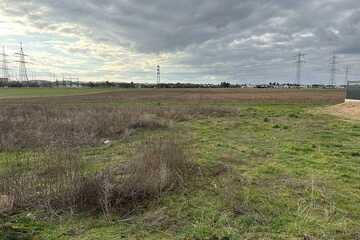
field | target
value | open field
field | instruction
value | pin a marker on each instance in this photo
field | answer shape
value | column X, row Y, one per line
column 115, row 95
column 264, row 164
column 45, row 92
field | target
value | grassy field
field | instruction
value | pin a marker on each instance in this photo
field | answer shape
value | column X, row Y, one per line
column 269, row 167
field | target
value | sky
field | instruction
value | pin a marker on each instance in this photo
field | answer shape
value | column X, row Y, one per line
column 197, row 41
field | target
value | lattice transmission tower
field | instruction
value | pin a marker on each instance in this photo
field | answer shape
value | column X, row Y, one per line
column 299, row 62
column 347, row 72
column 23, row 75
column 333, row 70
column 5, row 77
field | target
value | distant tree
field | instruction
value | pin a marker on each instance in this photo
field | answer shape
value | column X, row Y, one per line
column 225, row 85
column 108, row 84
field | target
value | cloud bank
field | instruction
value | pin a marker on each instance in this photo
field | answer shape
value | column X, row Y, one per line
column 248, row 41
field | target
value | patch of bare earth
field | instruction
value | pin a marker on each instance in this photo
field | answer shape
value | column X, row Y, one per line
column 347, row 110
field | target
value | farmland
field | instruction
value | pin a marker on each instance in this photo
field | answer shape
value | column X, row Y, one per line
column 263, row 164
column 44, row 92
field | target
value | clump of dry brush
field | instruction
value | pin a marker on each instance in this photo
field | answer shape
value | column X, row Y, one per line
column 60, row 181
column 32, row 126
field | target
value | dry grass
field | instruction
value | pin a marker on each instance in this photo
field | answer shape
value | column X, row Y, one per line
column 159, row 166
column 32, row 126
column 46, row 181
column 58, row 180
column 6, row 203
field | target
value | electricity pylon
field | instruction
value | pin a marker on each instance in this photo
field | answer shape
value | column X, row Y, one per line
column 23, row 75
column 299, row 62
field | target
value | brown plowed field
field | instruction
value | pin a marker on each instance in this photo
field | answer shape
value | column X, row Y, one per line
column 307, row 96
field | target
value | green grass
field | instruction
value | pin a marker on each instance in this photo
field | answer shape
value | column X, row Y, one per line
column 274, row 171
column 47, row 92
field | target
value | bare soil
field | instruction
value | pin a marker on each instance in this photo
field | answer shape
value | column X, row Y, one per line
column 349, row 110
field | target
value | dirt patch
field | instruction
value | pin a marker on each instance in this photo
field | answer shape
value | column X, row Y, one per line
column 349, row 110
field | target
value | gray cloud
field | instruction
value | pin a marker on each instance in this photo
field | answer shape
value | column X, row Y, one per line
column 232, row 39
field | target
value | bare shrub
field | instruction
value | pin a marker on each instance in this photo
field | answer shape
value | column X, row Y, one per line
column 59, row 181
column 160, row 165
column 47, row 181
column 147, row 121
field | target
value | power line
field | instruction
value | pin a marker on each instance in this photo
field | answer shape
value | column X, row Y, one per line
column 299, row 62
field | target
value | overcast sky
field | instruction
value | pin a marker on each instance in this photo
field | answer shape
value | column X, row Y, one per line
column 200, row 41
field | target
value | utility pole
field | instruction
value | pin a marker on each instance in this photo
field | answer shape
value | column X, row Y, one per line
column 63, row 81
column 5, row 69
column 299, row 62
column 347, row 72
column 158, row 79
column 333, row 63
column 23, row 75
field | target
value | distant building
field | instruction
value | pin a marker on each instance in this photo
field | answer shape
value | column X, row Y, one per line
column 353, row 91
